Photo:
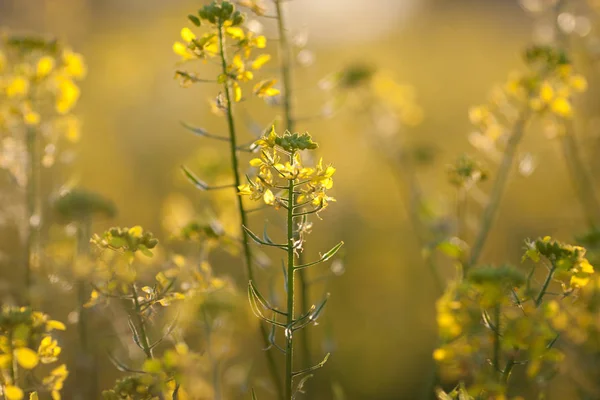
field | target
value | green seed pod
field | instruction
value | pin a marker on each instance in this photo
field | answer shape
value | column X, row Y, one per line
column 226, row 10
column 238, row 18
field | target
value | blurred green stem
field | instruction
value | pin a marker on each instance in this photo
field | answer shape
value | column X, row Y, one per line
column 289, row 352
column 141, row 325
column 499, row 185
column 272, row 366
column 286, row 74
column 540, row 296
column 497, row 344
column 87, row 370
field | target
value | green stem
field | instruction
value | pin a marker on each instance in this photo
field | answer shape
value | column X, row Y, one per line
column 507, row 370
column 141, row 326
column 86, row 372
column 540, row 296
column 289, row 353
column 496, row 354
column 498, row 187
column 287, row 80
column 34, row 210
column 271, row 365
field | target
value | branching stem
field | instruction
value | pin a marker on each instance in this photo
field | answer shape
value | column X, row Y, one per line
column 272, row 366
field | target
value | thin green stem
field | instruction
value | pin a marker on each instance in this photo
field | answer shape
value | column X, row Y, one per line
column 497, row 344
column 290, row 122
column 507, row 370
column 289, row 353
column 271, row 365
column 499, row 185
column 141, row 326
column 540, row 296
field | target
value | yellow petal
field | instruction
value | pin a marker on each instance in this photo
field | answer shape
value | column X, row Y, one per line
column 260, row 61
column 269, row 197
column 562, row 107
column 26, row 357
column 53, row 324
column 235, row 32
column 546, row 92
column 187, row 35
column 237, row 92
column 13, row 393
column 44, row 66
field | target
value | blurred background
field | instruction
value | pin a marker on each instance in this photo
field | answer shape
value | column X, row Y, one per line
column 380, row 323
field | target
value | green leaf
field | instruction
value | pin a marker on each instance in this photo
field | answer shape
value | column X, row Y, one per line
column 195, row 20
column 194, row 179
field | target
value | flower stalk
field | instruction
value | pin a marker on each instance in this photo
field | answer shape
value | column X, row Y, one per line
column 271, row 365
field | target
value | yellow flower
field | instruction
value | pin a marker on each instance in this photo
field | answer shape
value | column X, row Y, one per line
column 182, row 50
column 578, row 83
column 74, row 64
column 235, row 32
column 265, row 89
column 48, row 350
column 27, row 358
column 68, row 94
column 45, row 65
column 18, row 86
column 238, row 69
column 546, row 92
column 31, row 118
column 267, row 141
column 55, row 381
column 269, row 197
column 187, row 35
column 260, row 61
column 13, row 393
column 439, row 354
column 562, row 107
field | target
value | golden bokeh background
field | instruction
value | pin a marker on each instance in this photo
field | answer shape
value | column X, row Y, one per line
column 380, row 319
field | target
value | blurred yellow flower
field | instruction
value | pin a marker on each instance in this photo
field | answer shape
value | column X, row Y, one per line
column 45, row 66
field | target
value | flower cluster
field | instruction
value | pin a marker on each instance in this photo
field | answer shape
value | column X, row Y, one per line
column 226, row 32
column 466, row 172
column 569, row 263
column 118, row 276
column 486, row 329
column 497, row 318
column 547, row 90
column 26, row 343
column 389, row 104
column 38, row 88
column 313, row 182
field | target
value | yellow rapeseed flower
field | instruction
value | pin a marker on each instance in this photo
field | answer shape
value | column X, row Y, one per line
column 13, row 393
column 17, row 86
column 562, row 107
column 68, row 94
column 74, row 64
column 187, row 35
column 45, row 66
